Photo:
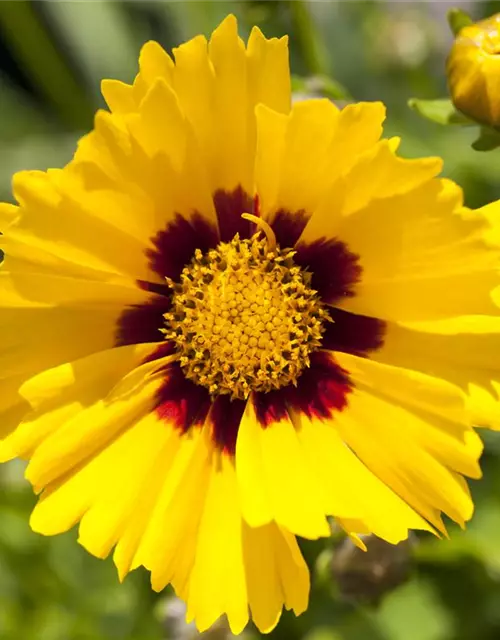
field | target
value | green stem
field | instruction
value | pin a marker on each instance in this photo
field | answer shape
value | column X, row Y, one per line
column 41, row 60
column 311, row 44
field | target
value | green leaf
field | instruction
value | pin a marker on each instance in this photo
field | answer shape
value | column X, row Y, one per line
column 332, row 89
column 320, row 85
column 414, row 612
column 37, row 55
column 112, row 50
column 312, row 47
column 441, row 111
column 323, row 633
column 458, row 19
column 488, row 140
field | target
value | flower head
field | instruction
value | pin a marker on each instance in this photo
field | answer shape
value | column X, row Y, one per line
column 228, row 319
column 473, row 70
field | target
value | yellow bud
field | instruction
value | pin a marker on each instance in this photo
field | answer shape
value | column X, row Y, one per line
column 473, row 70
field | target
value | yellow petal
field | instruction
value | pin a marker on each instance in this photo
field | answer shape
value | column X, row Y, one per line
column 37, row 291
column 101, row 478
column 462, row 350
column 299, row 160
column 271, row 131
column 92, row 429
column 154, row 63
column 146, row 490
column 275, row 479
column 140, row 194
column 292, row 177
column 448, row 436
column 169, row 533
column 484, row 402
column 382, row 434
column 358, row 129
column 134, row 486
column 307, row 141
column 352, row 491
column 268, row 71
column 276, row 574
column 12, row 410
column 382, row 174
column 119, row 96
column 55, row 395
column 232, row 157
column 430, row 263
column 37, row 338
column 217, row 583
column 375, row 176
column 97, row 422
column 197, row 540
column 162, row 534
column 353, row 528
column 161, row 127
column 194, row 81
column 56, row 223
column 8, row 213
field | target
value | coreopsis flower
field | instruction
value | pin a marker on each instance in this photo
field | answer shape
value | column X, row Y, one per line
column 228, row 319
column 473, row 70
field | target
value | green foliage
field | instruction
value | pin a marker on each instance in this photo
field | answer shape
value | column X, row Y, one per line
column 439, row 111
column 488, row 139
column 324, row 86
column 442, row 111
column 458, row 19
column 50, row 588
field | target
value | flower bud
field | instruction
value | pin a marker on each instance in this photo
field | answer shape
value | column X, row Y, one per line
column 473, row 70
column 366, row 576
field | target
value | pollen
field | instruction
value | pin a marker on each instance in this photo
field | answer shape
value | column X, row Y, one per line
column 244, row 317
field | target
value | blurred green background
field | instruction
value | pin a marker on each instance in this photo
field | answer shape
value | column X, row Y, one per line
column 52, row 57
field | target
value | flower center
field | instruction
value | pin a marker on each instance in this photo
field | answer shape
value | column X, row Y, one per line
column 244, row 317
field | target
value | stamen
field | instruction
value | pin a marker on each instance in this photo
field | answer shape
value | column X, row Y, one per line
column 244, row 318
column 271, row 237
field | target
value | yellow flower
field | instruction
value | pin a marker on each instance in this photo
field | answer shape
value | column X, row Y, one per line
column 229, row 318
column 473, row 70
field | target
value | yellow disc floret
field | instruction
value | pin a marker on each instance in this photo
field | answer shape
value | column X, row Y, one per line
column 244, row 317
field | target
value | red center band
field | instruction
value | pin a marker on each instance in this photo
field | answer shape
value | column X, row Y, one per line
column 322, row 389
